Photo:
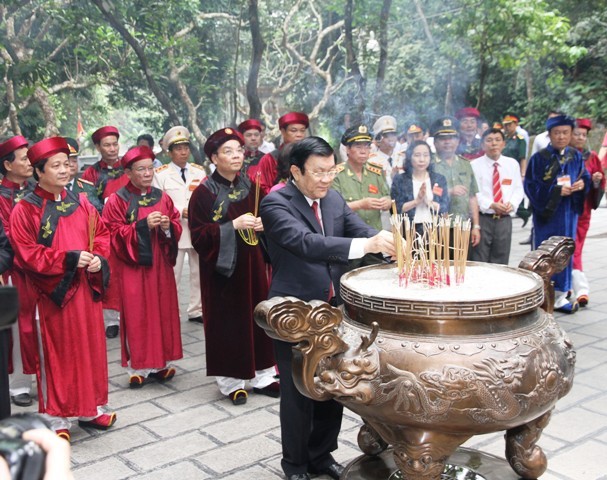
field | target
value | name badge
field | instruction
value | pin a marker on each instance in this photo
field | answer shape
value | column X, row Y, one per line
column 436, row 190
column 507, row 181
column 564, row 181
column 373, row 189
column 192, row 187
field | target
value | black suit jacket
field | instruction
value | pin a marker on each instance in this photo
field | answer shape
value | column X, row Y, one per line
column 304, row 261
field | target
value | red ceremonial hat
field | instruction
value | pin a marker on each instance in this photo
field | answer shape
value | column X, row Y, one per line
column 137, row 153
column 12, row 144
column 293, row 117
column 579, row 123
column 104, row 132
column 467, row 112
column 250, row 124
column 220, row 137
column 47, row 148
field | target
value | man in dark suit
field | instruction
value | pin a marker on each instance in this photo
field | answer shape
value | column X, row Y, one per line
column 309, row 247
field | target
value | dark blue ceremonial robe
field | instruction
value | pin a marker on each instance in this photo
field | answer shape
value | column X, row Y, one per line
column 554, row 214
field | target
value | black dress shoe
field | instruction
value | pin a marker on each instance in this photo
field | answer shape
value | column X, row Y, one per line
column 197, row 319
column 298, row 476
column 335, row 470
column 111, row 331
column 22, row 400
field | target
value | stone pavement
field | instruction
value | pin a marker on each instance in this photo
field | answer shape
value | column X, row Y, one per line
column 186, row 430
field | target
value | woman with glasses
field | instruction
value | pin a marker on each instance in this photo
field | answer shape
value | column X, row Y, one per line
column 420, row 192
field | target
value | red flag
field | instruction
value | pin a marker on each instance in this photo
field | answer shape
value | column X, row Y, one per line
column 79, row 128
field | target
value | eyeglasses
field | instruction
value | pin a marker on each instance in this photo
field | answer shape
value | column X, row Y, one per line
column 320, row 175
column 230, row 153
column 143, row 169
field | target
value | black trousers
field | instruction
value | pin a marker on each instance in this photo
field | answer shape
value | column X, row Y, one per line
column 308, row 428
column 5, row 397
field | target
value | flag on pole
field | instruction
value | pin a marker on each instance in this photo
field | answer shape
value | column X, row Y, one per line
column 79, row 128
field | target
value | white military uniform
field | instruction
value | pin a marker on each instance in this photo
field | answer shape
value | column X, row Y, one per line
column 168, row 179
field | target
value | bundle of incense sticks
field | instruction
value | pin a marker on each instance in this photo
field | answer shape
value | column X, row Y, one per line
column 461, row 240
column 92, row 231
column 424, row 258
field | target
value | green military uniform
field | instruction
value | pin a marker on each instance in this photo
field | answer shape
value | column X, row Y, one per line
column 515, row 148
column 80, row 185
column 371, row 184
column 459, row 173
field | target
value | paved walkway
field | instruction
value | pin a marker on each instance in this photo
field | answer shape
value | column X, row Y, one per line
column 186, row 430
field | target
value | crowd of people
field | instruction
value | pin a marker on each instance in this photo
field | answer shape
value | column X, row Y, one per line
column 100, row 254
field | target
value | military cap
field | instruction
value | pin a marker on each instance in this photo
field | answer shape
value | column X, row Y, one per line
column 137, row 153
column 293, row 118
column 72, row 144
column 510, row 118
column 358, row 134
column 414, row 128
column 444, row 127
column 558, row 121
column 250, row 124
column 47, row 148
column 175, row 136
column 467, row 112
column 584, row 123
column 12, row 144
column 498, row 125
column 384, row 124
column 103, row 132
column 218, row 138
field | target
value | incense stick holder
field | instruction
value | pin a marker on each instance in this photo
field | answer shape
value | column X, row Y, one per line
column 428, row 370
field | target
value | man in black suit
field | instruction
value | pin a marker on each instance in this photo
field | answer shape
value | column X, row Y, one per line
column 309, row 247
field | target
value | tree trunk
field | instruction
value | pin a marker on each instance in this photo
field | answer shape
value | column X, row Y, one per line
column 529, row 86
column 48, row 112
column 257, row 54
column 383, row 56
column 105, row 9
column 353, row 68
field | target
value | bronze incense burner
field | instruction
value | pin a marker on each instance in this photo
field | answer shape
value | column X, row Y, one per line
column 427, row 375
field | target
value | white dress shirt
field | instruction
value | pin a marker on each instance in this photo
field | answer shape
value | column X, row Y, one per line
column 510, row 178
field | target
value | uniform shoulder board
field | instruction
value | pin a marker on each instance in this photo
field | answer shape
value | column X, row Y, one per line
column 375, row 168
column 195, row 165
column 162, row 168
column 340, row 167
column 519, row 136
column 82, row 180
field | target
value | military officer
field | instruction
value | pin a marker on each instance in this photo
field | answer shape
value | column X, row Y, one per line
column 387, row 154
column 516, row 146
column 179, row 179
column 360, row 181
column 79, row 185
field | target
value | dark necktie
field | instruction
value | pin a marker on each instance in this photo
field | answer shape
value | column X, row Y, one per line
column 315, row 210
column 183, row 174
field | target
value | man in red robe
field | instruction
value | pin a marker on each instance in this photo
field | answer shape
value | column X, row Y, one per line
column 145, row 230
column 579, row 282
column 108, row 177
column 251, row 133
column 232, row 272
column 16, row 168
column 62, row 245
column 293, row 128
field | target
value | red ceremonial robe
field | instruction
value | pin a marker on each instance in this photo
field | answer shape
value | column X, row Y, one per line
column 232, row 279
column 268, row 169
column 107, row 181
column 150, row 331
column 48, row 237
column 10, row 194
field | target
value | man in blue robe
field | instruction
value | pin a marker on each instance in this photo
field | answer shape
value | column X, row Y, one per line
column 556, row 183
